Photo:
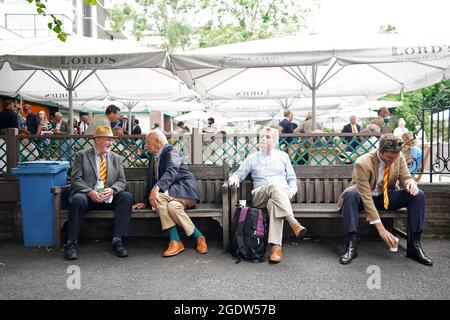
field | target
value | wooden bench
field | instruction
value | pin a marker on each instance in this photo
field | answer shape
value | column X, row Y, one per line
column 214, row 202
column 319, row 188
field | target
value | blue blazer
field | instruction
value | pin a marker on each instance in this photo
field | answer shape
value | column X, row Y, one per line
column 174, row 176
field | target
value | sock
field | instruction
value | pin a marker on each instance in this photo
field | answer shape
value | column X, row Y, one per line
column 115, row 239
column 173, row 234
column 196, row 234
column 291, row 220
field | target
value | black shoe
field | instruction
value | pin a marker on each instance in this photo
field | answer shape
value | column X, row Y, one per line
column 351, row 252
column 415, row 252
column 70, row 252
column 119, row 250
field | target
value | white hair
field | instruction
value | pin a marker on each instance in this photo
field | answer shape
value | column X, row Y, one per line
column 160, row 136
column 58, row 114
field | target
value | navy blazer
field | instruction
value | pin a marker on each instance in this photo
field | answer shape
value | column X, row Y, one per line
column 348, row 128
column 174, row 176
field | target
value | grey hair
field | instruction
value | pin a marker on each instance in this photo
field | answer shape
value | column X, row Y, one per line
column 58, row 114
column 160, row 136
column 273, row 132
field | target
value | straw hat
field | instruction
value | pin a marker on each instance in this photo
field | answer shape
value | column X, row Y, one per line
column 103, row 131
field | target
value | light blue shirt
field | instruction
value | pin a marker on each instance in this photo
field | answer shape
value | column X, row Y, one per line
column 275, row 168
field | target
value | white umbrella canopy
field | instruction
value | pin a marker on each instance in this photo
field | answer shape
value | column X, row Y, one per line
column 315, row 65
column 198, row 118
column 55, row 69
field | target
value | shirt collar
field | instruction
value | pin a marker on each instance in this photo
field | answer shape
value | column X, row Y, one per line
column 98, row 154
column 160, row 151
column 379, row 159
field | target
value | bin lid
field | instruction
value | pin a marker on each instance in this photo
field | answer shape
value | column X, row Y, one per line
column 37, row 167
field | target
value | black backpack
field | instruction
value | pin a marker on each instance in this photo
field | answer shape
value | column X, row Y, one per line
column 248, row 237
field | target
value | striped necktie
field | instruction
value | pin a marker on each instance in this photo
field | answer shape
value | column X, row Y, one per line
column 385, row 187
column 103, row 172
column 155, row 167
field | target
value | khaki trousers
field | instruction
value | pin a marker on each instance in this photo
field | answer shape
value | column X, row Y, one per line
column 278, row 204
column 171, row 212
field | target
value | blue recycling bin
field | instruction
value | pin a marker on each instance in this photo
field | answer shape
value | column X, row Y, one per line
column 36, row 178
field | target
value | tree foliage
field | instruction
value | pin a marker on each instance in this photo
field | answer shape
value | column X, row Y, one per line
column 187, row 24
column 55, row 24
column 413, row 103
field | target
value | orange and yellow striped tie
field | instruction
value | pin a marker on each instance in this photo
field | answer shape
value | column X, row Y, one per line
column 385, row 187
column 155, row 163
column 103, row 172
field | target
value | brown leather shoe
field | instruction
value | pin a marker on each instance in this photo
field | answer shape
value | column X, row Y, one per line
column 174, row 248
column 275, row 254
column 299, row 230
column 202, row 247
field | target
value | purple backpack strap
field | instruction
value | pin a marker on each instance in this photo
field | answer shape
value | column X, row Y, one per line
column 260, row 225
column 243, row 214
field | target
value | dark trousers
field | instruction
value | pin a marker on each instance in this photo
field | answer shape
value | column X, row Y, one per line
column 81, row 203
column 398, row 198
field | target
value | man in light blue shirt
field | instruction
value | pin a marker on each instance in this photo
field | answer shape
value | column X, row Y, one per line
column 274, row 184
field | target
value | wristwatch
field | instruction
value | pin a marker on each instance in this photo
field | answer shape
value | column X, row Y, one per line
column 156, row 187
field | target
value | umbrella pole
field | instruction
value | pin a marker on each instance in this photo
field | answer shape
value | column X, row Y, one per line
column 129, row 119
column 313, row 72
column 70, row 89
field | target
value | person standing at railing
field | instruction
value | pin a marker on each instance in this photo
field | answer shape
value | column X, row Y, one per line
column 306, row 143
column 61, row 127
column 136, row 127
column 33, row 121
column 374, row 187
column 84, row 124
column 412, row 153
column 171, row 188
column 382, row 120
column 401, row 129
column 8, row 117
column 274, row 185
column 111, row 116
column 46, row 126
column 288, row 127
column 352, row 127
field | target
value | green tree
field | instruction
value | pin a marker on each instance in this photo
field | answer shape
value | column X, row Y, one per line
column 243, row 20
column 413, row 103
column 166, row 19
column 55, row 24
column 186, row 24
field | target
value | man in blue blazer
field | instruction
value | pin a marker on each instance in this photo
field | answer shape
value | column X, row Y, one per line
column 171, row 188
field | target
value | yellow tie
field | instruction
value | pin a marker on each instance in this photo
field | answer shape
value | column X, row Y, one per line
column 103, row 172
column 354, row 129
column 155, row 162
column 385, row 187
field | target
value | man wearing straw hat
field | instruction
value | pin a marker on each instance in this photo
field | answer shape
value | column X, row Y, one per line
column 98, row 183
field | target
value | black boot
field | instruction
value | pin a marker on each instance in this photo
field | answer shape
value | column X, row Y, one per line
column 70, row 252
column 415, row 251
column 351, row 251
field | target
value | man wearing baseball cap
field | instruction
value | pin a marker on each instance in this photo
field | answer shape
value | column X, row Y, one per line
column 374, row 187
column 98, row 183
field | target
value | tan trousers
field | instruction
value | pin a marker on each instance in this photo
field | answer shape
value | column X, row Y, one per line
column 171, row 212
column 278, row 204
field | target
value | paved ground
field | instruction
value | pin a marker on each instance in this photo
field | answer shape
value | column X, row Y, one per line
column 310, row 270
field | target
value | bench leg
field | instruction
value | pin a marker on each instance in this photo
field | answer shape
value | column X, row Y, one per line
column 57, row 218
